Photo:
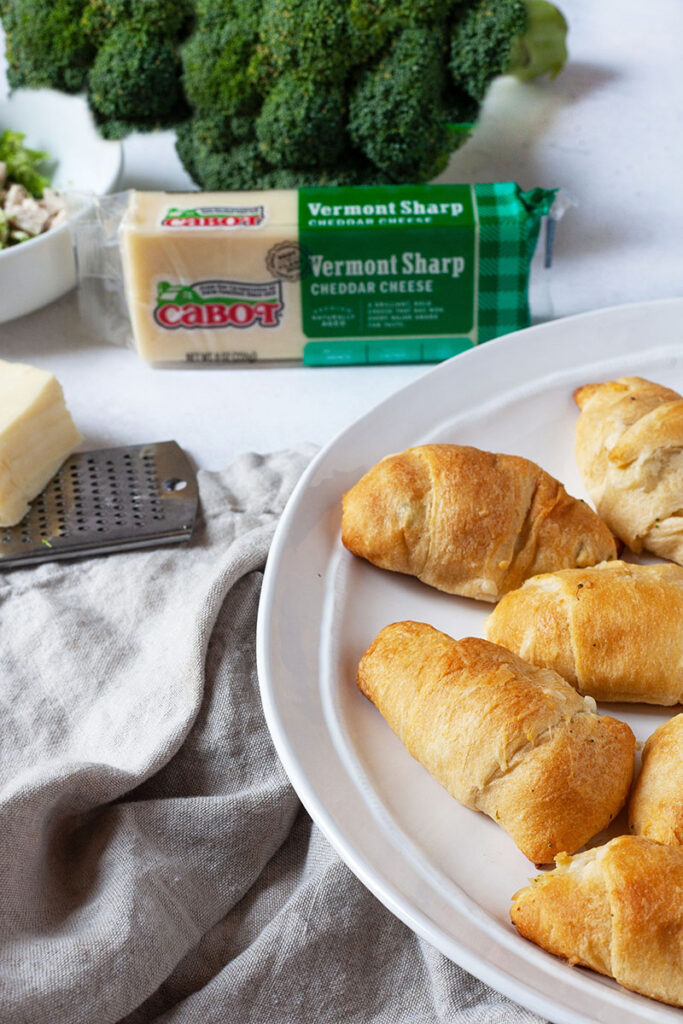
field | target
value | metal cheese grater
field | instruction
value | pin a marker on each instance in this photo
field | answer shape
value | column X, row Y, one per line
column 104, row 501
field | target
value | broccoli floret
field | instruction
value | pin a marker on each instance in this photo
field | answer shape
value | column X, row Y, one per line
column 216, row 74
column 21, row 163
column 213, row 156
column 306, row 37
column 374, row 22
column 302, row 126
column 371, row 25
column 416, row 12
column 239, row 166
column 200, row 139
column 168, row 18
column 45, row 44
column 246, row 13
column 135, row 81
column 497, row 37
column 396, row 113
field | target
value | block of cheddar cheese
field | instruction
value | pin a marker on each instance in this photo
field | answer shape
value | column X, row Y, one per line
column 37, row 433
column 385, row 273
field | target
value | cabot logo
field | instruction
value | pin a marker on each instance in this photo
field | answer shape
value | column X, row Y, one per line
column 218, row 304
column 214, row 217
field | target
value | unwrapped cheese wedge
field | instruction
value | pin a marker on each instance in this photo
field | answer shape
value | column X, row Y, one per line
column 36, row 435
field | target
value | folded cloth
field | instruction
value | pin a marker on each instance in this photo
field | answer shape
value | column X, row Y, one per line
column 155, row 863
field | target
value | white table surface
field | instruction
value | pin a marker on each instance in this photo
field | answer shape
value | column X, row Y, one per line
column 609, row 130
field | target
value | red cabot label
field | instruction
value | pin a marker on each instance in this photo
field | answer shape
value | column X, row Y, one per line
column 214, row 217
column 217, row 304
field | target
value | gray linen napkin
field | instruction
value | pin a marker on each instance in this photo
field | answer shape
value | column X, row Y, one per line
column 155, row 863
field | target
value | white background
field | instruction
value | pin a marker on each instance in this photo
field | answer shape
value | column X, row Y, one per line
column 608, row 130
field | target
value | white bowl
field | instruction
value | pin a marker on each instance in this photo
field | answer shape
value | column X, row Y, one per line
column 37, row 272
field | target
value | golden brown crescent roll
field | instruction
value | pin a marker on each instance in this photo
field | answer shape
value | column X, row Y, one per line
column 469, row 522
column 614, row 631
column 501, row 736
column 656, row 807
column 629, row 449
column 618, row 909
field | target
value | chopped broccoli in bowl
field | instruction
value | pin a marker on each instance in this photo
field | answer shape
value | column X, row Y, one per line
column 22, row 164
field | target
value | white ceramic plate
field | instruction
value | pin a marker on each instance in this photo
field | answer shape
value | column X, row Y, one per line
column 446, row 871
column 40, row 270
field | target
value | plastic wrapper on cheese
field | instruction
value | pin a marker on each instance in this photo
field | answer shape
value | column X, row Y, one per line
column 392, row 273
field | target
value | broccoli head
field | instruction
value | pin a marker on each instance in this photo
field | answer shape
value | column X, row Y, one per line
column 276, row 93
column 397, row 115
column 46, row 45
column 135, row 81
column 339, row 91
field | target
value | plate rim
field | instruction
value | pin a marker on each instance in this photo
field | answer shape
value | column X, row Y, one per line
column 519, row 991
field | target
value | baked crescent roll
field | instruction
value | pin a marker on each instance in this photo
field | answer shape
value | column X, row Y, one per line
column 501, row 736
column 469, row 522
column 629, row 449
column 656, row 807
column 614, row 631
column 618, row 909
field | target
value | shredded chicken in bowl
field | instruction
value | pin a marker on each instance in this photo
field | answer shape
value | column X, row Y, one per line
column 28, row 207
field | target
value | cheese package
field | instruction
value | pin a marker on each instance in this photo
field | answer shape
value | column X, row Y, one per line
column 390, row 273
column 36, row 435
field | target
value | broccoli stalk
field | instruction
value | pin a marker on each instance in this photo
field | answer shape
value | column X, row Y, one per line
column 542, row 49
column 525, row 38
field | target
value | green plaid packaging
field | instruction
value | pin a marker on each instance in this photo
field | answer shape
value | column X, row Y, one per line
column 509, row 223
column 469, row 247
